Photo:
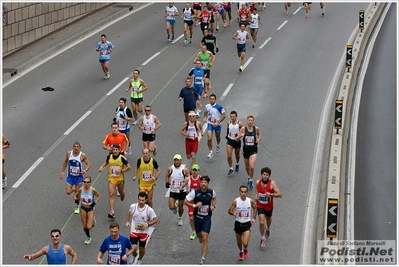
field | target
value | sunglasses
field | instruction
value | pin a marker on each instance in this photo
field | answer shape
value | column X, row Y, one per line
column 195, row 170
column 147, row 110
column 87, row 182
column 55, row 236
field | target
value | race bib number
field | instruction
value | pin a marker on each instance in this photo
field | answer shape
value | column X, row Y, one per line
column 198, row 80
column 212, row 120
column 74, row 170
column 114, row 169
column 249, row 140
column 139, row 227
column 135, row 89
column 114, row 259
column 203, row 210
column 243, row 214
column 263, row 199
column 147, row 176
column 204, row 64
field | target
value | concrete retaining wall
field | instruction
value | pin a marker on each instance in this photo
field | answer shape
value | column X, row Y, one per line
column 24, row 23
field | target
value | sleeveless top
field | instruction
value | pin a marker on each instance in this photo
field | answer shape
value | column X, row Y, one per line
column 244, row 210
column 176, row 178
column 135, row 88
column 75, row 165
column 123, row 123
column 56, row 256
column 148, row 124
column 264, row 202
column 234, row 129
column 87, row 198
column 250, row 138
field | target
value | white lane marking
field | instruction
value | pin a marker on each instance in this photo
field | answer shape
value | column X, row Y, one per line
column 247, row 63
column 117, row 86
column 71, row 44
column 226, row 91
column 177, row 39
column 282, row 25
column 77, row 123
column 26, row 174
column 267, row 40
column 151, row 58
column 297, row 10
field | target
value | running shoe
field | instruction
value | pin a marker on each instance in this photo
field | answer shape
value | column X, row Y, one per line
column 132, row 258
column 230, row 172
column 217, row 29
column 155, row 151
column 286, row 13
column 122, row 197
column 322, row 14
column 251, row 186
column 217, row 148
column 267, row 232
column 175, row 209
column 262, row 242
column 202, row 262
column 135, row 122
column 185, row 41
column 129, row 150
column 241, row 256
column 88, row 241
column 210, row 155
column 253, row 45
column 229, row 23
column 245, row 253
column 307, row 15
column 240, row 69
column 139, row 262
column 197, row 113
column 193, row 236
column 168, row 38
column 105, row 76
column 224, row 25
column 180, row 221
column 111, row 215
column 237, row 167
column 4, row 182
column 76, row 211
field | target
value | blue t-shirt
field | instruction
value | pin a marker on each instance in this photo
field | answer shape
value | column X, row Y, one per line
column 116, row 249
column 190, row 97
column 198, row 76
column 56, row 256
column 104, row 49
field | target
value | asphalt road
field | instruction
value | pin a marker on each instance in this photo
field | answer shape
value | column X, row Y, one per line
column 284, row 87
column 376, row 151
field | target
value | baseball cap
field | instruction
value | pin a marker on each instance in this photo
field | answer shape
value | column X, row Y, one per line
column 195, row 167
column 177, row 156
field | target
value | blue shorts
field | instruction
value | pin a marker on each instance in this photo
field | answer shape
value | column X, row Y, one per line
column 126, row 131
column 103, row 60
column 171, row 21
column 199, row 89
column 221, row 11
column 253, row 29
column 241, row 48
column 74, row 180
column 136, row 100
column 202, row 224
column 217, row 129
column 227, row 9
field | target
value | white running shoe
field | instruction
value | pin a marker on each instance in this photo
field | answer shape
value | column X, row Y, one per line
column 135, row 122
column 180, row 221
column 210, row 155
column 217, row 148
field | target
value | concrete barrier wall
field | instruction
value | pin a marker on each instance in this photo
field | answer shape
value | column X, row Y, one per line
column 24, row 23
column 337, row 152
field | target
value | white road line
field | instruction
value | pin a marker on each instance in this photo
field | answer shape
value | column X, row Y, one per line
column 297, row 10
column 71, row 44
column 26, row 174
column 77, row 123
column 226, row 91
column 247, row 63
column 117, row 86
column 177, row 39
column 151, row 58
column 267, row 40
column 282, row 25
